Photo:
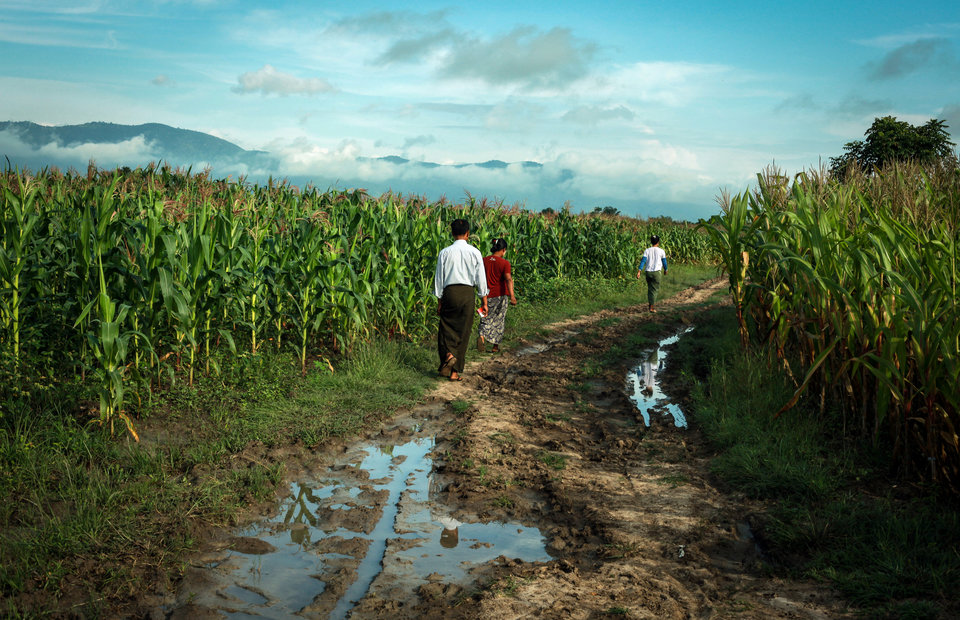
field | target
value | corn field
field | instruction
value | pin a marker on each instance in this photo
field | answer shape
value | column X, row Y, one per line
column 145, row 277
column 852, row 289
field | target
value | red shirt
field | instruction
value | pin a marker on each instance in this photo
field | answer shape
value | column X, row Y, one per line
column 496, row 267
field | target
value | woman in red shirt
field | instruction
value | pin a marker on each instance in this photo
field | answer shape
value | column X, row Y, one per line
column 500, row 283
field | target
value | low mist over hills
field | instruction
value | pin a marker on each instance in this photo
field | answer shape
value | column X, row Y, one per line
column 530, row 184
column 110, row 145
column 176, row 142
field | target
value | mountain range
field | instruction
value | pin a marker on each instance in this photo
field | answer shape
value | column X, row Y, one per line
column 529, row 184
column 179, row 147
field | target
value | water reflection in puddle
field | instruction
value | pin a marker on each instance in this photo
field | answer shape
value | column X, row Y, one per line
column 647, row 395
column 373, row 516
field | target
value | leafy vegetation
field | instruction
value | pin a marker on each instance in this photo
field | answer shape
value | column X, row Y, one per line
column 834, row 514
column 143, row 279
column 889, row 141
column 850, row 289
column 845, row 376
column 216, row 321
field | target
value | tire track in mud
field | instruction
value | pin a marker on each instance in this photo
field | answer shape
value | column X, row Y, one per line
column 634, row 523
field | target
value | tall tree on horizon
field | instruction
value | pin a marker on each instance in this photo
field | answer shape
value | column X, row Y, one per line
column 888, row 140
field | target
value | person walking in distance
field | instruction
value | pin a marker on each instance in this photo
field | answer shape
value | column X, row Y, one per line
column 459, row 276
column 653, row 266
column 501, row 296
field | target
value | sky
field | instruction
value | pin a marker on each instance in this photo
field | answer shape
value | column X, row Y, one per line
column 653, row 108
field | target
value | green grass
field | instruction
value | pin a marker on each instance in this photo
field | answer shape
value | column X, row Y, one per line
column 566, row 299
column 889, row 548
column 76, row 494
column 552, row 459
column 460, row 406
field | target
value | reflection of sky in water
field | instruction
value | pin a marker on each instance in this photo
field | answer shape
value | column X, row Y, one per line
column 646, row 387
column 291, row 576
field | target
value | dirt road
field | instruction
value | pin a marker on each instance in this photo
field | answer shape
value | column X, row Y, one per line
column 544, row 438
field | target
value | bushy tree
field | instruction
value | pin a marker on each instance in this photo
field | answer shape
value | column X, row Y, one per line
column 607, row 210
column 890, row 140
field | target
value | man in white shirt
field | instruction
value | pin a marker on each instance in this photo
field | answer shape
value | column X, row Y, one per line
column 458, row 277
column 654, row 266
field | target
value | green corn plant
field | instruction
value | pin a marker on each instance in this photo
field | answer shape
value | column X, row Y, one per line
column 252, row 272
column 109, row 345
column 854, row 287
column 731, row 234
column 19, row 221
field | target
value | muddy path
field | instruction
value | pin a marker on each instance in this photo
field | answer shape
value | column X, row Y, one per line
column 545, row 484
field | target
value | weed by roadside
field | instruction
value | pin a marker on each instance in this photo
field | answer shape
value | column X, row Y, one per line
column 834, row 515
column 75, row 494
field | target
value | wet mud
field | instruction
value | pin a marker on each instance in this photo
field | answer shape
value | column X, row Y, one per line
column 568, row 489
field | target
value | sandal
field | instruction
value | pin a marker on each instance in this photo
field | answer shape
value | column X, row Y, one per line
column 446, row 368
column 495, row 349
column 455, row 378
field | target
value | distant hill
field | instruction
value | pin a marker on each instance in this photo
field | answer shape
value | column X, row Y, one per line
column 492, row 164
column 42, row 145
column 168, row 142
column 27, row 145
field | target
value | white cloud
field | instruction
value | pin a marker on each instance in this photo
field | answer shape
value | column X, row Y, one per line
column 666, row 83
column 105, row 155
column 592, row 115
column 30, row 33
column 269, row 81
column 422, row 47
column 932, row 31
column 421, row 140
column 524, row 57
column 514, row 116
column 659, row 173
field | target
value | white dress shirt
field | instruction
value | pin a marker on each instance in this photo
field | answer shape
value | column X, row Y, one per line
column 460, row 263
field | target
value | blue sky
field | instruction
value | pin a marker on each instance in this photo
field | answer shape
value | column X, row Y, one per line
column 650, row 107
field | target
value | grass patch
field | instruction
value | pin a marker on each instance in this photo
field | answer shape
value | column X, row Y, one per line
column 542, row 303
column 835, row 516
column 579, row 387
column 460, row 406
column 674, row 480
column 75, row 493
column 552, row 459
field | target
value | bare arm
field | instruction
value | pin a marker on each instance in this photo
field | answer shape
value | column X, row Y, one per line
column 508, row 279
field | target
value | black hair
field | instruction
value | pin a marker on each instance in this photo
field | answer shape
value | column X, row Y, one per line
column 498, row 244
column 654, row 240
column 459, row 227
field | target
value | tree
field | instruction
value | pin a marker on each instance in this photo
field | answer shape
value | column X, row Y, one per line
column 890, row 140
column 607, row 210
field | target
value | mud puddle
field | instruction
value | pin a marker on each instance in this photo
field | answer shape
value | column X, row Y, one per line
column 368, row 523
column 643, row 379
